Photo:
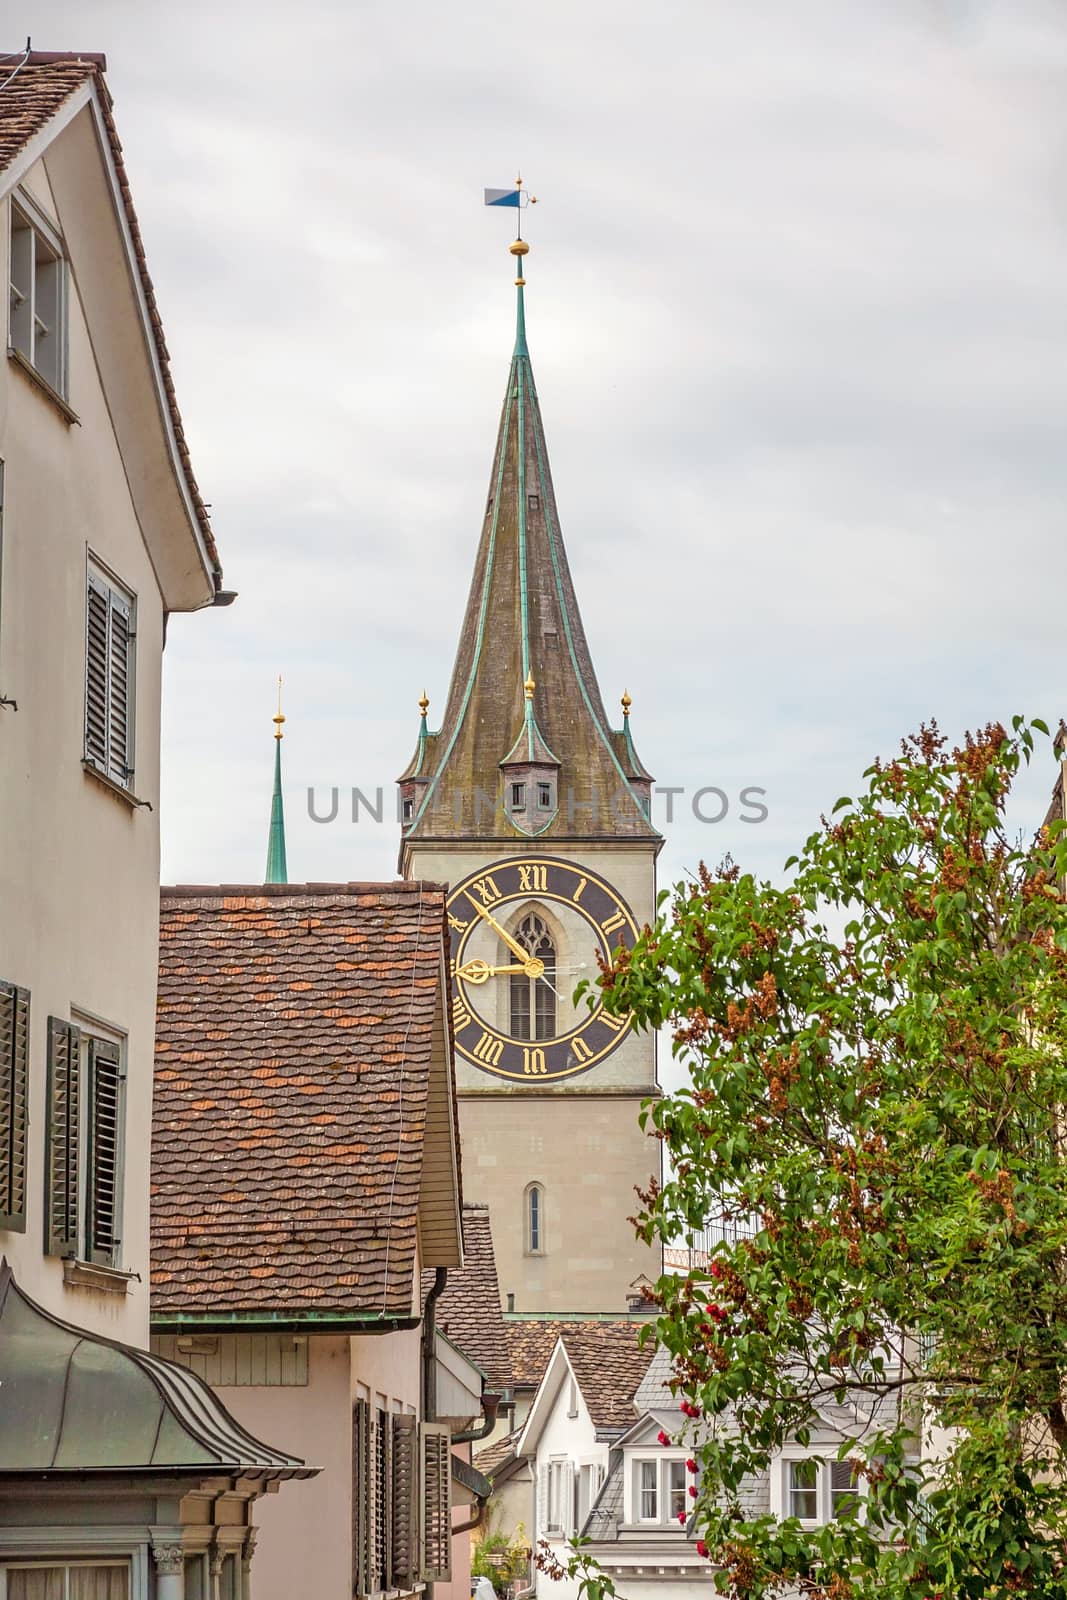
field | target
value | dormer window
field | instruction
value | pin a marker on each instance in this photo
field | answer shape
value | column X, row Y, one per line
column 544, row 797
column 518, row 797
column 409, row 810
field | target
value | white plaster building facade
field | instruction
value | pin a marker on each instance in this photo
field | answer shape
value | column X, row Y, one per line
column 115, row 1469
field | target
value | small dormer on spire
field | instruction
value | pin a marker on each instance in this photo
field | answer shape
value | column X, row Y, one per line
column 277, row 867
column 416, row 775
column 531, row 773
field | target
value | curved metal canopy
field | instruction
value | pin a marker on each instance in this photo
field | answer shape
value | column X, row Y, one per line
column 72, row 1401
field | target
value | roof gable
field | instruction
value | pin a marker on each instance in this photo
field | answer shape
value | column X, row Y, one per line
column 300, row 1079
column 56, row 107
column 607, row 1362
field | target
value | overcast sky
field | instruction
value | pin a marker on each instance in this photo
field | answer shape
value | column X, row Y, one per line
column 796, row 310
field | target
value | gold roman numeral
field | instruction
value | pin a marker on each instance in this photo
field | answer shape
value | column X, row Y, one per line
column 616, row 1024
column 533, row 1061
column 461, row 1017
column 577, row 895
column 581, row 1050
column 489, row 1049
column 533, row 879
column 454, row 922
column 487, row 890
column 612, row 923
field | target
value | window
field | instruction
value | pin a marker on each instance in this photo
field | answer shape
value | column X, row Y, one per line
column 518, row 797
column 677, row 1491
column 37, row 327
column 84, row 1137
column 84, row 1580
column 647, row 1491
column 109, row 640
column 804, row 1490
column 818, row 1491
column 544, row 796
column 533, row 1000
column 660, row 1489
column 409, row 810
column 844, row 1489
column 558, row 1505
column 535, row 1220
column 14, row 1068
column 588, row 1486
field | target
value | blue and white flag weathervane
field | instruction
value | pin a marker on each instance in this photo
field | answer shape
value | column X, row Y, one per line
column 516, row 197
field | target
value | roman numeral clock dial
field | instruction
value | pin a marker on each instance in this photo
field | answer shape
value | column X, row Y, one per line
column 524, row 934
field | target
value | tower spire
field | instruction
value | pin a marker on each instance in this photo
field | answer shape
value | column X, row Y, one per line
column 277, row 870
column 523, row 629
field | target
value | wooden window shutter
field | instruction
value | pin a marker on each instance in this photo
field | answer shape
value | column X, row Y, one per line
column 14, row 1088
column 119, row 687
column 96, row 654
column 362, row 1497
column 435, row 1500
column 104, row 1186
column 108, row 680
column 405, row 1497
column 61, row 1139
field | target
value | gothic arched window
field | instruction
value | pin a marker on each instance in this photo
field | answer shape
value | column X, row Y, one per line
column 533, row 1000
column 535, row 1220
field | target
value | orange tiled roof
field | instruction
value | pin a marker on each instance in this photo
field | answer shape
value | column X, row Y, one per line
column 469, row 1309
column 295, row 1030
column 30, row 95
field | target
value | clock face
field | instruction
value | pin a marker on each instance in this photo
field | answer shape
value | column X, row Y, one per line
column 524, row 934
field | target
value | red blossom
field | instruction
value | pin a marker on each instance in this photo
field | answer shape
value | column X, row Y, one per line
column 681, row 1518
column 716, row 1269
column 690, row 1465
column 702, row 1549
column 693, row 1490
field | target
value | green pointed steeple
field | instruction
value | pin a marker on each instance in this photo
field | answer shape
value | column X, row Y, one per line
column 522, row 627
column 277, row 871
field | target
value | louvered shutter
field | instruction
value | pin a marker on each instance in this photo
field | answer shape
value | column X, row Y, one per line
column 14, row 1086
column 96, row 654
column 109, row 680
column 435, row 1498
column 405, row 1480
column 568, row 1515
column 104, row 1186
column 61, row 1139
column 118, row 745
column 361, row 1497
column 542, row 1502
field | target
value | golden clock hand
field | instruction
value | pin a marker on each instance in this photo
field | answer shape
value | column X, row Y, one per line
column 512, row 944
column 477, row 971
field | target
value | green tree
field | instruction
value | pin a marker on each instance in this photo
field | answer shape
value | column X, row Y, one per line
column 876, row 1122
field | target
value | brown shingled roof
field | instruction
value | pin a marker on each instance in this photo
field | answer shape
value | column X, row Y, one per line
column 469, row 1309
column 296, row 1026
column 531, row 1341
column 608, row 1364
column 604, row 1354
column 33, row 88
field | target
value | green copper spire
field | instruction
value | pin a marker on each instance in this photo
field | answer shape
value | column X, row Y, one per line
column 277, row 871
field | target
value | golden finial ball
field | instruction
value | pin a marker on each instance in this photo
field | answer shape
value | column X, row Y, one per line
column 424, row 704
column 529, row 686
column 519, row 248
column 626, row 702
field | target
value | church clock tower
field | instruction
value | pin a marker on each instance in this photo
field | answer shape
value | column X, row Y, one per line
column 536, row 812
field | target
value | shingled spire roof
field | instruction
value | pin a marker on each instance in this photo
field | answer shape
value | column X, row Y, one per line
column 522, row 622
